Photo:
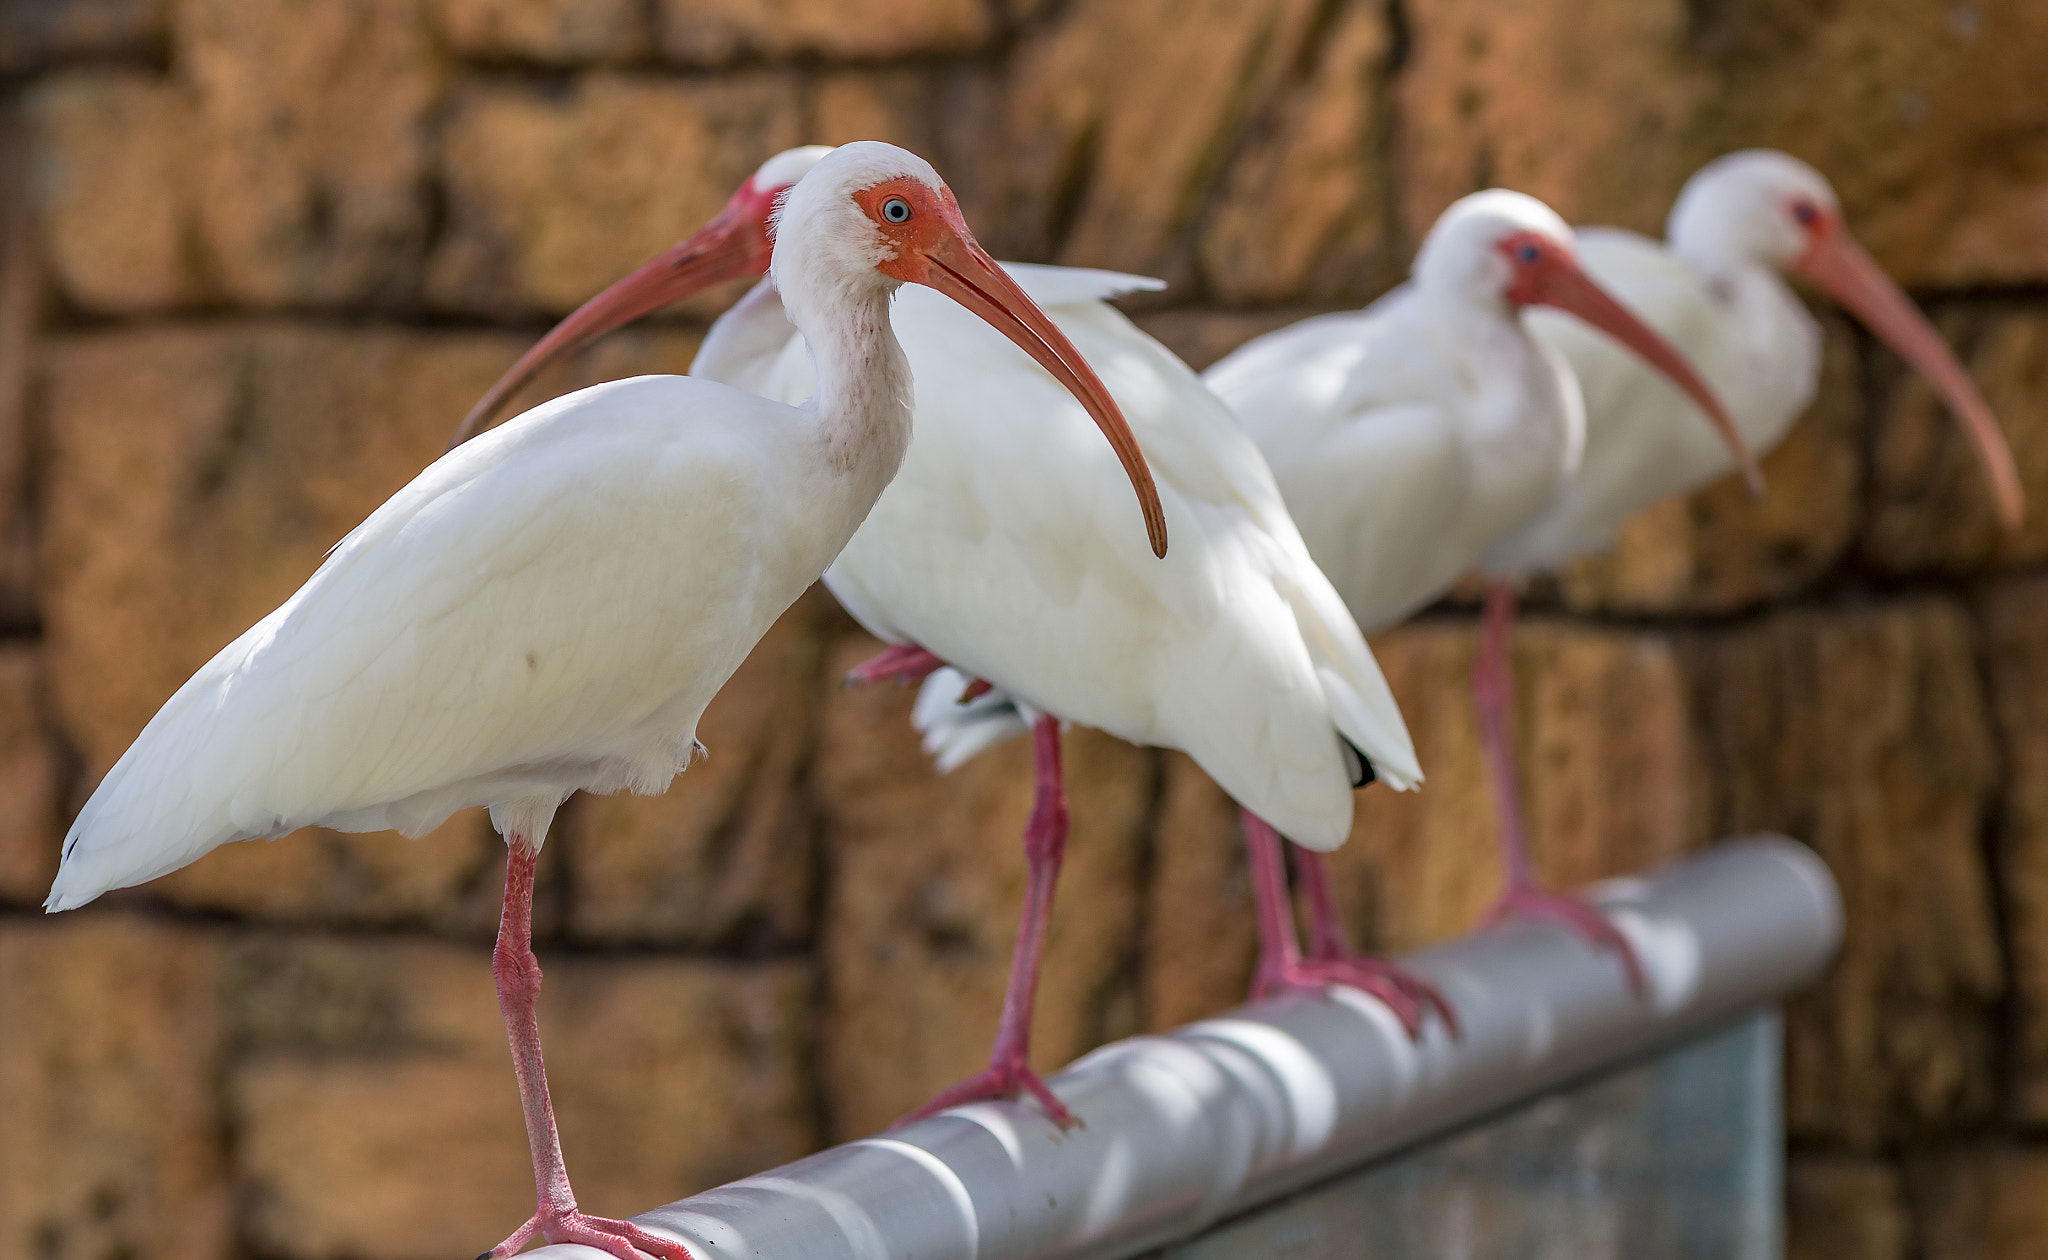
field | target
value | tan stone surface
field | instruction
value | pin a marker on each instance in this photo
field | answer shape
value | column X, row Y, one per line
column 29, row 779
column 1580, row 104
column 34, row 32
column 2015, row 621
column 697, row 31
column 1201, row 928
column 724, row 858
column 110, row 1050
column 115, row 189
column 1838, row 1206
column 314, row 122
column 451, row 879
column 551, row 32
column 1863, row 731
column 942, row 113
column 1987, row 1202
column 193, row 480
column 1301, row 210
column 1111, row 155
column 552, row 196
column 1925, row 115
column 1929, row 505
column 382, row 1067
column 927, row 877
column 1611, row 775
column 1718, row 550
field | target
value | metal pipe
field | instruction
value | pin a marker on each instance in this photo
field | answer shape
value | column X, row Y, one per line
column 1223, row 1115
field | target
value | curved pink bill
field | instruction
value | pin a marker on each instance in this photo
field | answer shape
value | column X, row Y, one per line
column 732, row 246
column 1849, row 275
column 962, row 270
column 1566, row 286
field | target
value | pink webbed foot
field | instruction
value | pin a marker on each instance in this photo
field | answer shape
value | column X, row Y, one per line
column 1411, row 998
column 903, row 664
column 622, row 1239
column 1000, row 1080
column 1577, row 915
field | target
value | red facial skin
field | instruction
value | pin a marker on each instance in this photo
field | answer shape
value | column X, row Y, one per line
column 933, row 247
column 1835, row 262
column 1547, row 275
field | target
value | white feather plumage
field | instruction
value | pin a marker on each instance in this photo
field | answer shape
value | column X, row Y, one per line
column 1008, row 546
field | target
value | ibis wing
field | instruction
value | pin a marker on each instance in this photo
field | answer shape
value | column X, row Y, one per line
column 1011, row 545
column 552, row 603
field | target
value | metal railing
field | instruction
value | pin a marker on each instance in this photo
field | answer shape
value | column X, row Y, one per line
column 1211, row 1120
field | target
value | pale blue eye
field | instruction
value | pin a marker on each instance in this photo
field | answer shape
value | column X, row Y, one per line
column 896, row 210
column 1528, row 253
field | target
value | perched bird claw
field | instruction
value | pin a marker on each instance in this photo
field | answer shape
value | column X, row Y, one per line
column 1578, row 916
column 1411, row 998
column 1002, row 1080
column 622, row 1239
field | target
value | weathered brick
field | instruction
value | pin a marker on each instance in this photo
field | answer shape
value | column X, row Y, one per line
column 551, row 197
column 314, row 127
column 37, row 32
column 1611, row 775
column 1201, row 929
column 724, row 857
column 1837, row 1206
column 1110, row 155
column 1718, row 550
column 1863, row 731
column 381, row 1067
column 1986, row 1202
column 29, row 780
column 2015, row 616
column 1923, row 113
column 943, row 113
column 1930, row 507
column 1582, row 105
column 699, row 31
column 927, row 883
column 110, row 1050
column 1301, row 209
column 451, row 879
column 115, row 191
column 1926, row 115
column 551, row 32
column 194, row 478
column 1612, row 781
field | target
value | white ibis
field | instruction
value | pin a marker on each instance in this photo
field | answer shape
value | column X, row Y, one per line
column 550, row 607
column 1717, row 290
column 999, row 550
column 1718, row 293
column 1410, row 436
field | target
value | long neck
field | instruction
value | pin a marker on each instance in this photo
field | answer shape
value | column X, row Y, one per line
column 1519, row 428
column 862, row 403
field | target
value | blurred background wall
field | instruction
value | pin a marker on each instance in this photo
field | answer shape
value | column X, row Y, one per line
column 260, row 255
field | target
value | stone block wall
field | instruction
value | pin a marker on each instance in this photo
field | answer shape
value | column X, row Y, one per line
column 257, row 258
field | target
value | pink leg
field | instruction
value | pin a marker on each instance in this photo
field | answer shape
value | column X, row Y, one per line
column 1045, row 845
column 1282, row 968
column 1493, row 696
column 1326, row 935
column 905, row 663
column 555, row 1217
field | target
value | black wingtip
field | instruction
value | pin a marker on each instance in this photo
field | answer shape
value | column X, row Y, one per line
column 1357, row 764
